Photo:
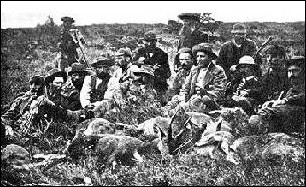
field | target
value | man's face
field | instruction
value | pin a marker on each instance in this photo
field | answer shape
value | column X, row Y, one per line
column 122, row 60
column 67, row 25
column 275, row 61
column 36, row 89
column 294, row 74
column 246, row 71
column 185, row 60
column 203, row 59
column 239, row 38
column 149, row 44
column 77, row 79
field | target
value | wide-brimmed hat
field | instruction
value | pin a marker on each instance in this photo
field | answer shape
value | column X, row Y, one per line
column 149, row 36
column 67, row 19
column 55, row 73
column 239, row 28
column 247, row 61
column 78, row 68
column 190, row 16
column 144, row 69
column 36, row 79
column 102, row 62
column 206, row 48
column 124, row 51
column 275, row 50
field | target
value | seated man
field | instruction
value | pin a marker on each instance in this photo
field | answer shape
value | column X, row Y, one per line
column 206, row 82
column 54, row 84
column 247, row 92
column 20, row 112
column 158, row 59
column 183, row 62
column 286, row 114
column 95, row 85
column 71, row 90
column 275, row 80
column 131, row 97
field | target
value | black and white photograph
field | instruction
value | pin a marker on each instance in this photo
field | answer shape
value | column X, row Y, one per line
column 152, row 93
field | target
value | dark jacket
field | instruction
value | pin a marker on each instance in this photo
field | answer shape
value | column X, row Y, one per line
column 230, row 54
column 156, row 56
column 273, row 84
column 192, row 39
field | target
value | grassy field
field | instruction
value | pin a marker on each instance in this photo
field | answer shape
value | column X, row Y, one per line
column 19, row 63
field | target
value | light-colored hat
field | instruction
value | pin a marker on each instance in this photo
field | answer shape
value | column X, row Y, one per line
column 247, row 60
column 146, row 69
column 239, row 28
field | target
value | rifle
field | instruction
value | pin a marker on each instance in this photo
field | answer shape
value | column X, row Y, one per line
column 263, row 46
column 77, row 39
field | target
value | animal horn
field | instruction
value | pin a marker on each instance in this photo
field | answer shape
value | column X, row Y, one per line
column 170, row 137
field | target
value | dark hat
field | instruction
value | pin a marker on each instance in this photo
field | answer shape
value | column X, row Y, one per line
column 297, row 60
column 67, row 19
column 124, row 51
column 102, row 62
column 55, row 73
column 37, row 80
column 275, row 50
column 144, row 69
column 247, row 61
column 239, row 28
column 206, row 48
column 78, row 68
column 149, row 36
column 190, row 16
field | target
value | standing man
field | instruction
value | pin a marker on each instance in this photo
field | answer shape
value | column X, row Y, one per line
column 70, row 41
column 158, row 59
column 233, row 50
column 190, row 35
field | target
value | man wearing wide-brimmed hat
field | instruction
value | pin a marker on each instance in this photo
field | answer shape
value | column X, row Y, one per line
column 71, row 90
column 95, row 85
column 206, row 82
column 287, row 113
column 275, row 79
column 22, row 106
column 55, row 80
column 135, row 90
column 71, row 39
column 190, row 35
column 233, row 50
column 156, row 57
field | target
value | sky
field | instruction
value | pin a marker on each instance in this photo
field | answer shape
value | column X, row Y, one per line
column 18, row 14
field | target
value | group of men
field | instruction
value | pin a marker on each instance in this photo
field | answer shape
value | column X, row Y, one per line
column 202, row 81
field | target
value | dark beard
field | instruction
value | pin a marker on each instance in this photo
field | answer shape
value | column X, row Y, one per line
column 103, row 75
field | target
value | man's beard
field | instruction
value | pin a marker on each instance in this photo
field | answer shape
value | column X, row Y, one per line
column 103, row 75
column 38, row 92
column 78, row 83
